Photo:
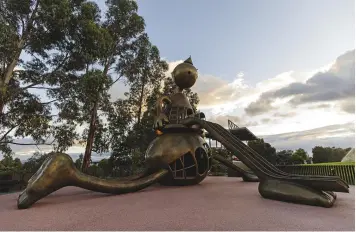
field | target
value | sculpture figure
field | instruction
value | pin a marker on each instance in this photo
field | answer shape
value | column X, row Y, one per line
column 179, row 155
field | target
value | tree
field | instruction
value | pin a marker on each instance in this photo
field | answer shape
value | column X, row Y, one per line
column 106, row 167
column 55, row 35
column 10, row 163
column 35, row 162
column 299, row 156
column 79, row 161
column 145, row 73
column 34, row 26
column 123, row 25
column 284, row 157
column 216, row 167
column 318, row 155
column 347, row 149
column 328, row 154
column 264, row 149
column 139, row 136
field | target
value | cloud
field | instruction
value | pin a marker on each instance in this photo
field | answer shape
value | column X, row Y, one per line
column 275, row 105
column 215, row 91
column 259, row 107
column 320, row 106
column 336, row 84
column 338, row 135
column 335, row 130
column 348, row 105
column 223, row 120
column 284, row 114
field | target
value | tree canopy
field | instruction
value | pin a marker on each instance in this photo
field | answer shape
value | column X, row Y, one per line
column 74, row 54
column 264, row 149
column 328, row 154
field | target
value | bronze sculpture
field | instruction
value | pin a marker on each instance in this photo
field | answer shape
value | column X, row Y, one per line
column 179, row 155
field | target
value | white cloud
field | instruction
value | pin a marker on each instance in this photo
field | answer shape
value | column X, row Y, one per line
column 220, row 100
column 337, row 135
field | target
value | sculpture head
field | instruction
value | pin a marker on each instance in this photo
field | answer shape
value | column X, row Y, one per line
column 185, row 74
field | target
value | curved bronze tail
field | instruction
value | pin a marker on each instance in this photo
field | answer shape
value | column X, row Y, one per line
column 58, row 171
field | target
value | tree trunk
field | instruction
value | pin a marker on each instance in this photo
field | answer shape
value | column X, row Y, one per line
column 4, row 81
column 92, row 127
column 140, row 106
column 2, row 98
column 90, row 139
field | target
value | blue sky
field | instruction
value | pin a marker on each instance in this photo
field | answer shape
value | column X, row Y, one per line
column 259, row 38
column 259, row 61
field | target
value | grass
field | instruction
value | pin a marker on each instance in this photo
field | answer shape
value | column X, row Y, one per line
column 331, row 163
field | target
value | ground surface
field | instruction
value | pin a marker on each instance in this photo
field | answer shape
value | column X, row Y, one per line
column 218, row 203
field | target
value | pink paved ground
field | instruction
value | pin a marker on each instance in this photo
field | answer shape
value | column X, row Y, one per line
column 218, row 203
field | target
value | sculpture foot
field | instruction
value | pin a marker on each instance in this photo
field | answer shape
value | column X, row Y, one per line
column 331, row 194
column 53, row 174
column 295, row 193
column 250, row 177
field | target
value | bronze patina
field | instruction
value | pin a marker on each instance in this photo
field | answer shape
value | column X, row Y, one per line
column 179, row 155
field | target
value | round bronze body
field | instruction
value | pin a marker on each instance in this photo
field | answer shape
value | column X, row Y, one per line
column 185, row 155
column 185, row 75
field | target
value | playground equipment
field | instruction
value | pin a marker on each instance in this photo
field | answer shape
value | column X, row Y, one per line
column 180, row 155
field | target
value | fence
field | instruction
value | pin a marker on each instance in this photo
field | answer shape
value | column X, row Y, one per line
column 345, row 172
column 13, row 181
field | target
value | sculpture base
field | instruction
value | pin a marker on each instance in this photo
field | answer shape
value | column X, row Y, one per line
column 292, row 192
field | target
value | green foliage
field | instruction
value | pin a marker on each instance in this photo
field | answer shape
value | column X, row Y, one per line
column 217, row 168
column 121, row 28
column 79, row 161
column 35, row 162
column 9, row 162
column 299, row 156
column 56, row 35
column 284, row 157
column 106, row 167
column 144, row 73
column 328, row 154
column 264, row 149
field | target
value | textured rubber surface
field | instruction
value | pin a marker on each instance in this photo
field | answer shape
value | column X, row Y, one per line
column 217, row 203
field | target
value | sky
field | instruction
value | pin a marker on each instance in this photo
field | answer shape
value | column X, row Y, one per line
column 284, row 69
